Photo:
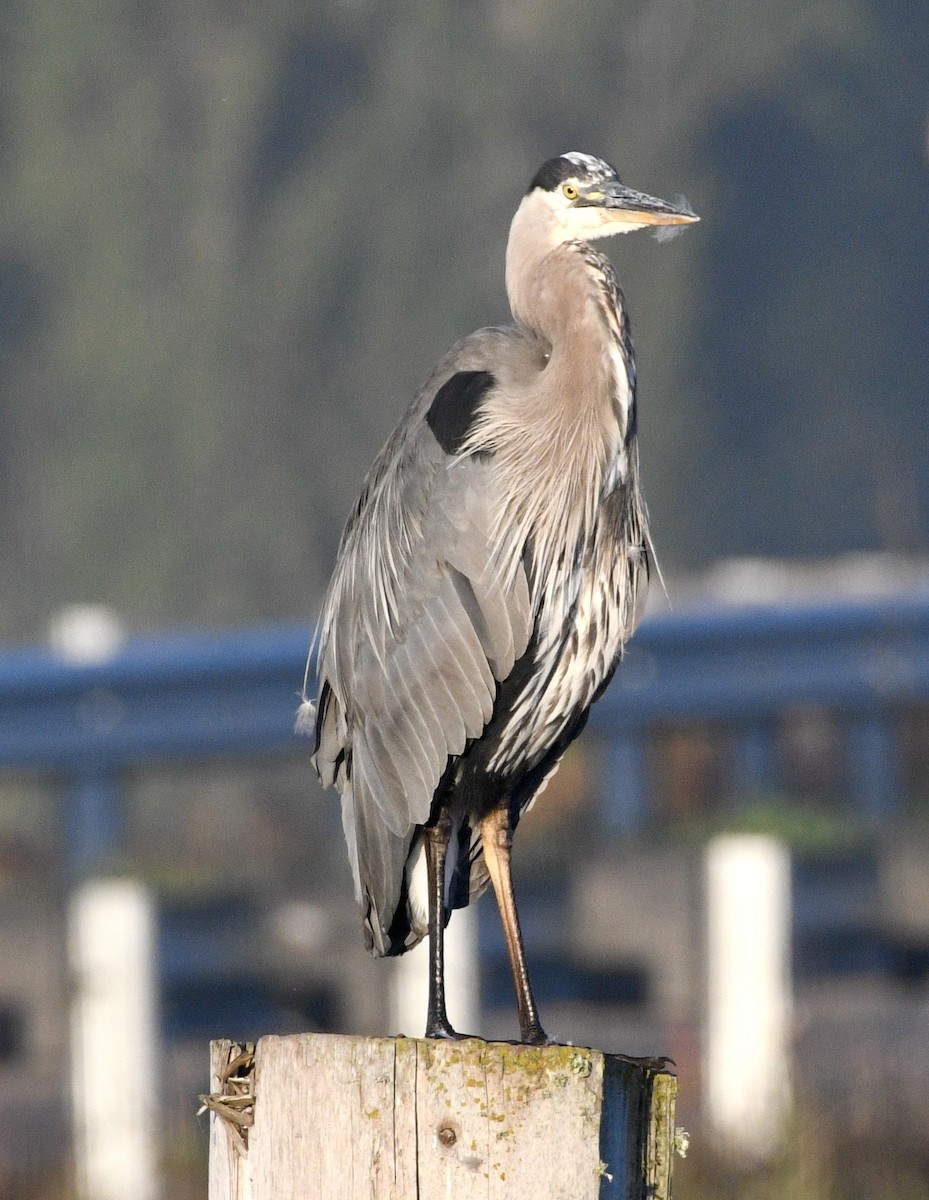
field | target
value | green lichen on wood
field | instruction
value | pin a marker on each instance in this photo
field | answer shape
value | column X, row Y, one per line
column 580, row 1064
column 521, row 1074
column 532, row 1063
column 499, row 1082
column 660, row 1143
column 404, row 1047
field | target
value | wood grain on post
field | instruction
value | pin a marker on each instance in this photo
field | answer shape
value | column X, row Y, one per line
column 315, row 1117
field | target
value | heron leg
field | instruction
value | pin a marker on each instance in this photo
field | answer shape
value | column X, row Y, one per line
column 436, row 839
column 497, row 842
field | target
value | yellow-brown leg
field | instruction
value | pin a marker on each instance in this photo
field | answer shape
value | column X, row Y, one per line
column 497, row 842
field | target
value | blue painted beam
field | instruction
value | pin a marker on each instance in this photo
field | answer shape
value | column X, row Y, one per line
column 872, row 763
column 93, row 821
column 755, row 762
column 754, row 662
column 235, row 694
column 194, row 696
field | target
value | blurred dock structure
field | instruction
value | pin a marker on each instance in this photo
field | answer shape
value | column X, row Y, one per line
column 716, row 716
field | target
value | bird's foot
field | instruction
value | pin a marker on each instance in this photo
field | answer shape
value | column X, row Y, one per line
column 534, row 1035
column 658, row 1062
column 536, row 1039
column 448, row 1034
column 440, row 1029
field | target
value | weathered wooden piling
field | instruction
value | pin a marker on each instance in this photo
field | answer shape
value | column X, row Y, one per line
column 315, row 1116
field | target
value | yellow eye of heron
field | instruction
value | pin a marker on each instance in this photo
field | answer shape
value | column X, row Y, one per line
column 569, row 191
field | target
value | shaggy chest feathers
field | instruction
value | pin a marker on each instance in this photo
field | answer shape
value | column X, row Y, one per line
column 570, row 513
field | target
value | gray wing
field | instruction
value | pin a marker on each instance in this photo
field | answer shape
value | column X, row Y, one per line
column 417, row 630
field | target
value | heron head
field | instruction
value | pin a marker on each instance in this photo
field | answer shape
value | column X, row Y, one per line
column 579, row 197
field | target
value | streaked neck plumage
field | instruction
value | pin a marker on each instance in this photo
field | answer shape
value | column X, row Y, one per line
column 564, row 440
column 564, row 291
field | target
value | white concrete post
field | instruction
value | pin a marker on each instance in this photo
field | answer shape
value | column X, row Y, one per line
column 410, row 983
column 747, row 1046
column 114, row 1068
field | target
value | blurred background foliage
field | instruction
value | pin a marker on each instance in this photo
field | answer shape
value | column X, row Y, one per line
column 234, row 239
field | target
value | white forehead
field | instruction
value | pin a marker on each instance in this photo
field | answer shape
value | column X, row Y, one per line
column 588, row 164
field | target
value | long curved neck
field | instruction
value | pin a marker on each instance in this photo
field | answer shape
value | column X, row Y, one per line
column 567, row 295
column 531, row 243
column 563, row 439
column 551, row 277
column 558, row 286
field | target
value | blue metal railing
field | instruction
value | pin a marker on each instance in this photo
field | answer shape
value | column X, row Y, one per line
column 169, row 698
column 189, row 697
column 860, row 661
column 157, row 699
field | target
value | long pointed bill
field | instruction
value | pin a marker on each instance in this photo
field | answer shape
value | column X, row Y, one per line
column 624, row 206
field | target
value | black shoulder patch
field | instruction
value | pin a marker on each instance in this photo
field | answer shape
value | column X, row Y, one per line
column 452, row 412
column 553, row 173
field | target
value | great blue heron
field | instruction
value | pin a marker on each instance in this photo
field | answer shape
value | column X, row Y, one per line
column 487, row 580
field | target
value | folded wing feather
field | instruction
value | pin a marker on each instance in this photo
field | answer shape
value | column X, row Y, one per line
column 398, row 698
